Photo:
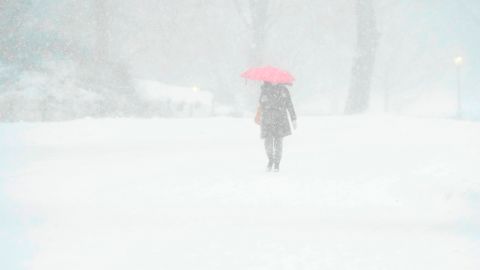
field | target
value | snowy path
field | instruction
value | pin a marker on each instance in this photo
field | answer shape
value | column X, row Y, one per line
column 354, row 193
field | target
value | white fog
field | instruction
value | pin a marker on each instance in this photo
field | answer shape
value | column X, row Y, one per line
column 239, row 134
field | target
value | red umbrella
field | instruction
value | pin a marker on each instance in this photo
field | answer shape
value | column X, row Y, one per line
column 268, row 74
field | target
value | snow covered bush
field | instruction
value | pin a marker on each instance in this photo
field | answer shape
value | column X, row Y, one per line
column 51, row 94
column 159, row 99
column 56, row 92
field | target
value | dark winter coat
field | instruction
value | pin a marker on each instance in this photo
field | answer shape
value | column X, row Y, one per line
column 275, row 101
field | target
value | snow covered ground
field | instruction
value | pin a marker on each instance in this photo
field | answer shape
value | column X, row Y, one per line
column 361, row 193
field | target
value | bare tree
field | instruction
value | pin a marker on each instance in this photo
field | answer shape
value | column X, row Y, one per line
column 364, row 62
column 255, row 17
column 256, row 21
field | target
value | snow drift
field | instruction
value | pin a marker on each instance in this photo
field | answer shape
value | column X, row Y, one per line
column 353, row 193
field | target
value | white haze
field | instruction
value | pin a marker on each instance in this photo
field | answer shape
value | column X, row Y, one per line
column 127, row 138
column 206, row 44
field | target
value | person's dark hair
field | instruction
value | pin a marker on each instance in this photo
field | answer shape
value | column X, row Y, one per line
column 267, row 86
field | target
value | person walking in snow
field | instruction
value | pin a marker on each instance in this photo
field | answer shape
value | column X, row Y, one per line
column 275, row 104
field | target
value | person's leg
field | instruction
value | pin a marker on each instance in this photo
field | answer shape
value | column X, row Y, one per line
column 278, row 146
column 269, row 149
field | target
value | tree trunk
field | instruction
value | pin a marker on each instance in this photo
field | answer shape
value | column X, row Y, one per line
column 364, row 62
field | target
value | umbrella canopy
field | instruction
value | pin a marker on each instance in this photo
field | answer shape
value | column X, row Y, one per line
column 268, row 74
